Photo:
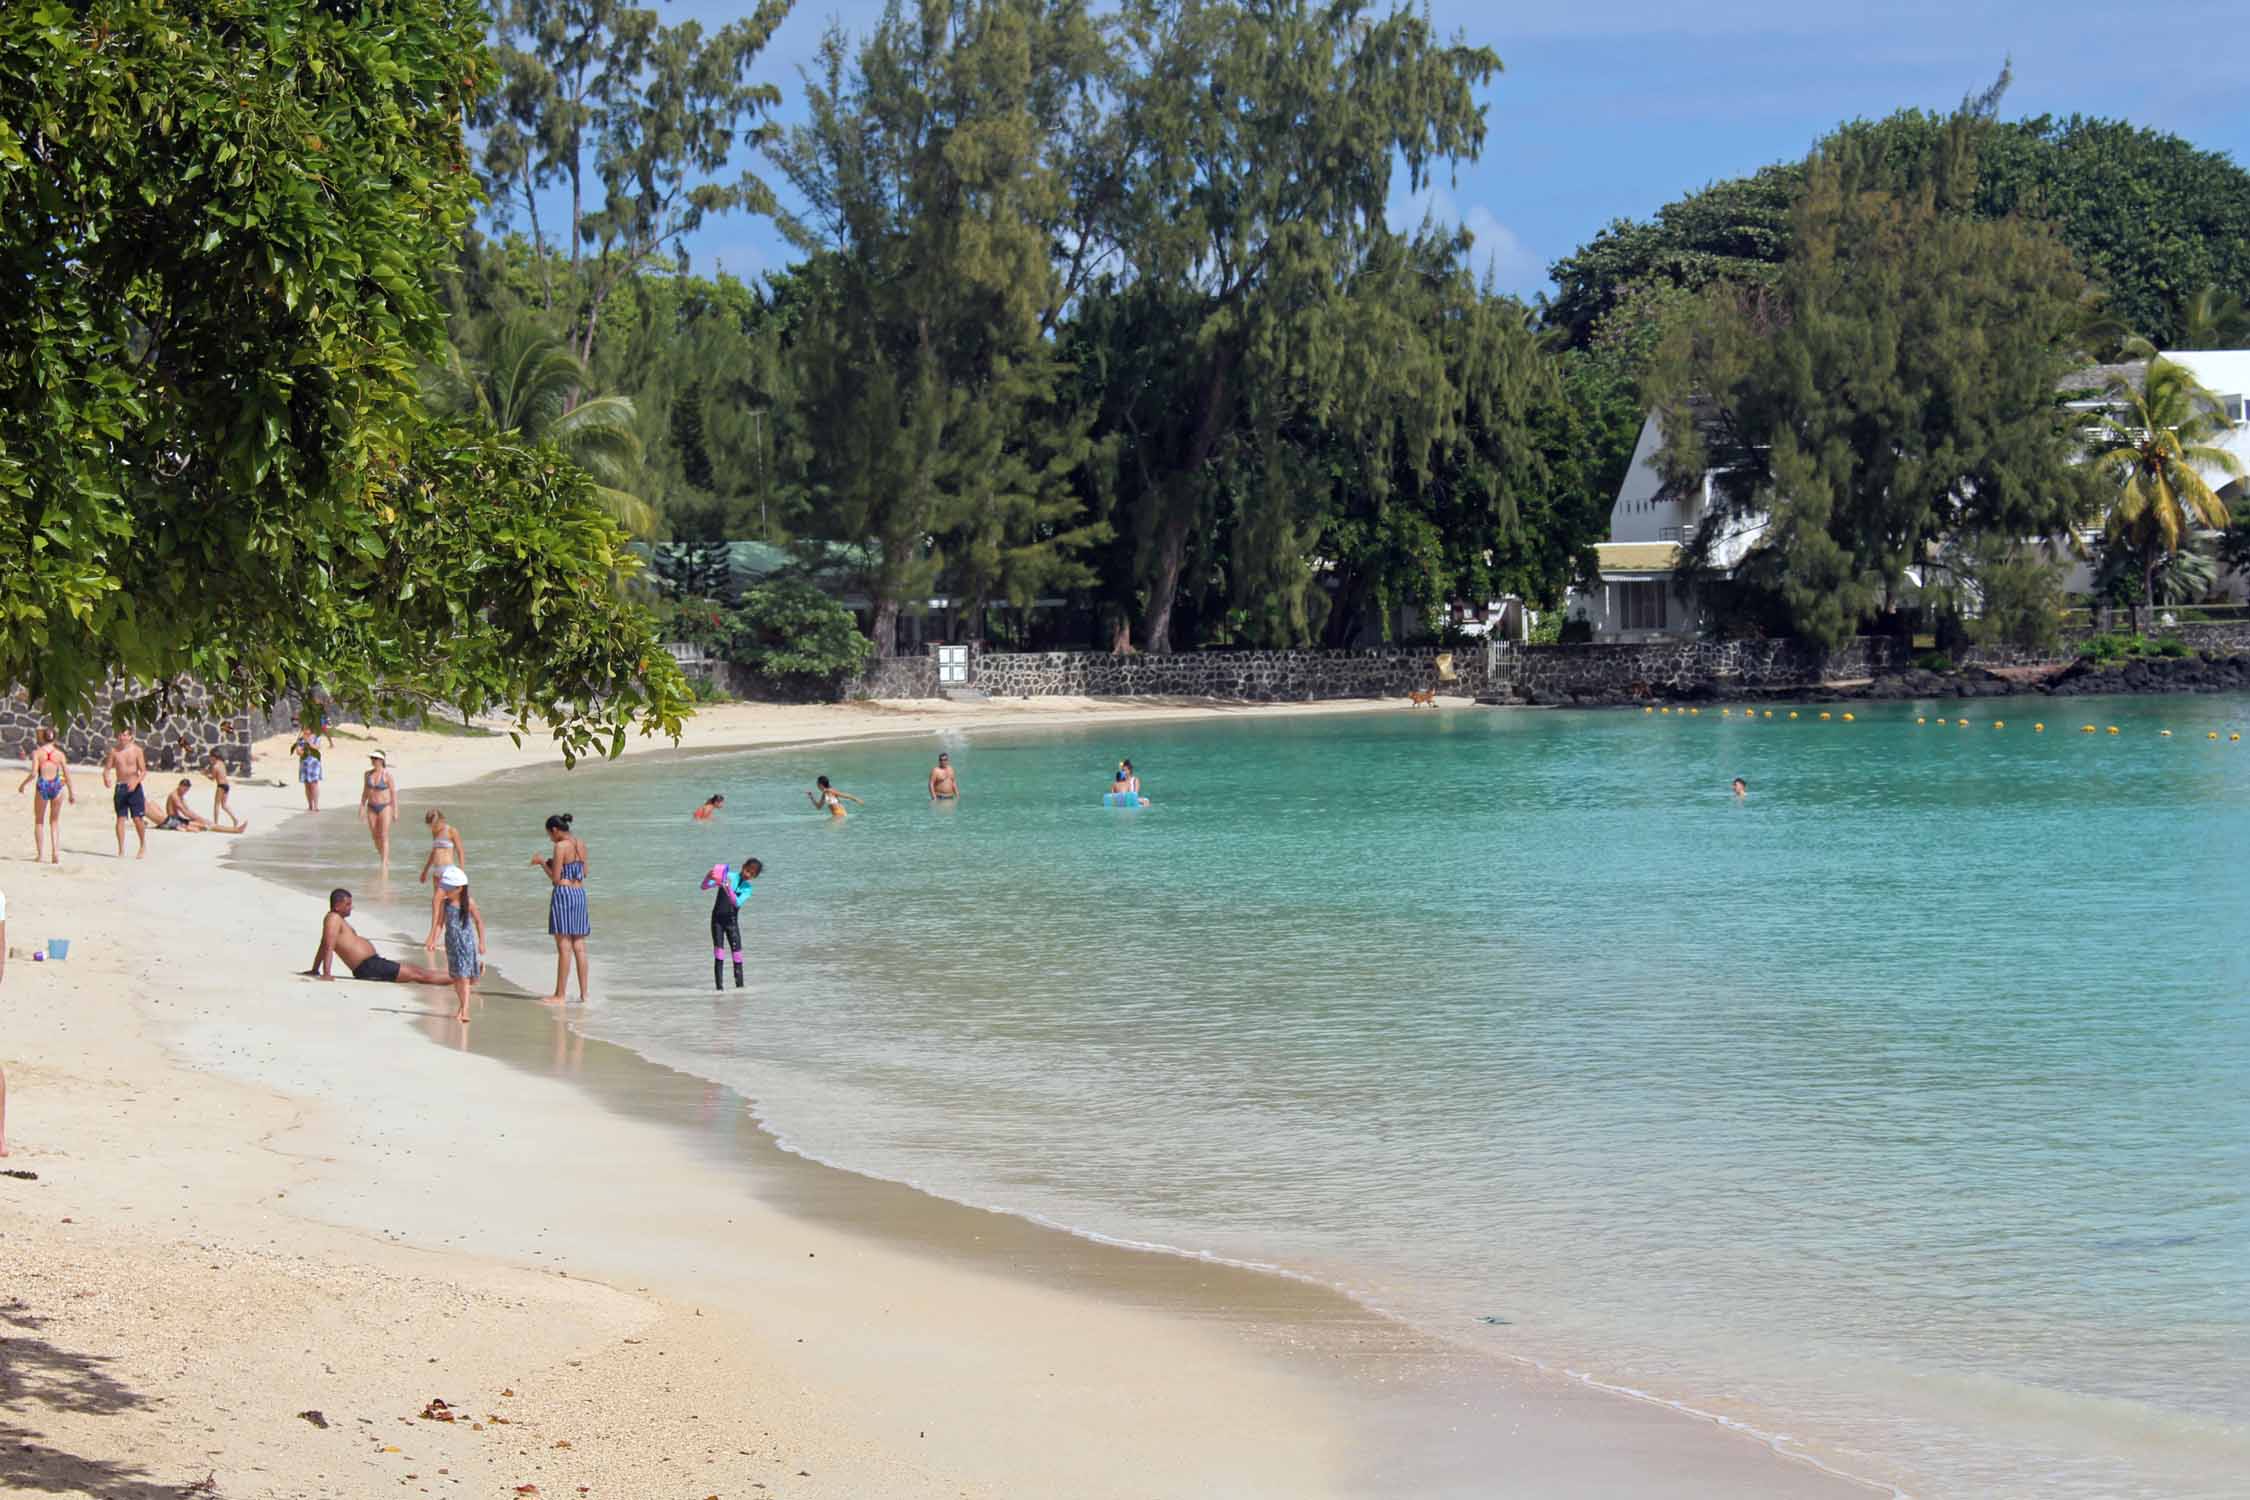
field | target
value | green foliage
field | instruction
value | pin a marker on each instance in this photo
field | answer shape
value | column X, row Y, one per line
column 789, row 629
column 2153, row 445
column 2110, row 648
column 2152, row 220
column 532, row 387
column 693, row 571
column 2172, row 647
column 2019, row 593
column 1894, row 391
column 935, row 428
column 1933, row 661
column 214, row 232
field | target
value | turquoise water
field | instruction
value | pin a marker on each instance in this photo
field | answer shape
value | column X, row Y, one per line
column 1901, row 1111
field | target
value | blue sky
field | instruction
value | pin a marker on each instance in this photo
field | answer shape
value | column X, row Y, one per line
column 1611, row 108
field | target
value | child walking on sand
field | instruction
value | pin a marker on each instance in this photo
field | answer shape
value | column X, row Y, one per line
column 464, row 936
column 734, row 887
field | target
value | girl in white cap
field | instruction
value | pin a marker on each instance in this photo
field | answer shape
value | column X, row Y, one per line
column 464, row 936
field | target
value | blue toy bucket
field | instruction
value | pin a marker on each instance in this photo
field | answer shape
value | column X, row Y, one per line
column 58, row 947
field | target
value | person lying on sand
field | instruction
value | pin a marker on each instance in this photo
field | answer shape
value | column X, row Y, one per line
column 339, row 941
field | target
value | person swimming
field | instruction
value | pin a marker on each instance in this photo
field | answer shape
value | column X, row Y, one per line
column 828, row 799
column 734, row 888
column 1741, row 788
column 711, row 804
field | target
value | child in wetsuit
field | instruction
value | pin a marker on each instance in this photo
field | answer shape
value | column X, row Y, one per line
column 733, row 887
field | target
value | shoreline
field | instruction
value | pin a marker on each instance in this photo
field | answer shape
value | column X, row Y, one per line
column 1283, row 1370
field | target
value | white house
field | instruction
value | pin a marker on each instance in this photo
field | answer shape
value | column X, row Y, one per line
column 1649, row 523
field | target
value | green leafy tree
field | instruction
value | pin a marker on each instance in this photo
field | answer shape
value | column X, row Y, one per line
column 215, row 225
column 932, row 424
column 2211, row 319
column 2149, row 217
column 1894, row 393
column 789, row 631
column 530, row 388
column 604, row 96
column 1260, row 138
column 2153, row 445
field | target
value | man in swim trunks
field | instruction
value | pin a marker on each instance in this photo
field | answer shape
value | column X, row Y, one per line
column 944, row 786
column 128, row 763
column 339, row 941
column 51, row 769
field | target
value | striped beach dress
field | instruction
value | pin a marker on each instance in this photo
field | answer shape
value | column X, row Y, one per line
column 566, row 909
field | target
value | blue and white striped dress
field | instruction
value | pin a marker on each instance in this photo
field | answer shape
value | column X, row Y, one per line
column 566, row 909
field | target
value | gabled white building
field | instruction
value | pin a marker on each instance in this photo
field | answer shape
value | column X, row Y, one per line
column 1650, row 522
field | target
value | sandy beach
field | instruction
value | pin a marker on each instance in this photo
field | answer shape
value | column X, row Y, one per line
column 284, row 1241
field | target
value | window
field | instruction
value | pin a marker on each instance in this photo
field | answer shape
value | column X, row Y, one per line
column 1640, row 606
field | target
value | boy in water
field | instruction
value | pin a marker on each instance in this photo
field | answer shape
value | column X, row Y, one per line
column 734, row 888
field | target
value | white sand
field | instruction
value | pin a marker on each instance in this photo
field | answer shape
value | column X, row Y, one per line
column 259, row 1196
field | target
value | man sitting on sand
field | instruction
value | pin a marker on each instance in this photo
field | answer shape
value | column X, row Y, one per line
column 337, row 940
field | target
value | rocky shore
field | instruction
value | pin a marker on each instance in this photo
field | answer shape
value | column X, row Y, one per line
column 2197, row 672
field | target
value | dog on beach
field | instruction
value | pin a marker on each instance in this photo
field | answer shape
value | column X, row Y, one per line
column 1422, row 698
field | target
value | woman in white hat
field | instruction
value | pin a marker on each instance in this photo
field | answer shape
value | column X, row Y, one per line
column 464, row 936
column 378, row 803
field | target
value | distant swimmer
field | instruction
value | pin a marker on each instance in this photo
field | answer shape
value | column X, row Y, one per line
column 828, row 799
column 1125, row 788
column 711, row 804
column 339, row 941
column 128, row 764
column 944, row 785
column 734, row 888
column 1741, row 788
column 51, row 769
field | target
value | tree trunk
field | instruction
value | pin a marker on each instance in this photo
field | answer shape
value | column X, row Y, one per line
column 1121, row 635
column 885, row 629
column 1171, row 551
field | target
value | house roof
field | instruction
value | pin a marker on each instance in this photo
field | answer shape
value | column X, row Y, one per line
column 1637, row 557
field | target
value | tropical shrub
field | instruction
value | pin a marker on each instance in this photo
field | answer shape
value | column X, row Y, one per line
column 788, row 630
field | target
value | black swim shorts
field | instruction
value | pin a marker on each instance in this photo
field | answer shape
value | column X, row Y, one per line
column 376, row 967
column 130, row 802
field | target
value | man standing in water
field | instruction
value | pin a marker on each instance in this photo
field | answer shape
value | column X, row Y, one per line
column 944, row 787
column 128, row 764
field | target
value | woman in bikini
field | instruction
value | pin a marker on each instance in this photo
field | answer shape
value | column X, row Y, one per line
column 446, row 848
column 831, row 801
column 568, row 922
column 51, row 769
column 378, row 803
column 222, row 816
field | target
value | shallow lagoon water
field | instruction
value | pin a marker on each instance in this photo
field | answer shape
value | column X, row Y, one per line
column 1901, row 1111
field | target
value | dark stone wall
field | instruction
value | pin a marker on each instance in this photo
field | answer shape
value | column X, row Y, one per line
column 896, row 677
column 177, row 741
column 1246, row 676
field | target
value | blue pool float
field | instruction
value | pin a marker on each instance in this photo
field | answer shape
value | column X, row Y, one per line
column 1121, row 799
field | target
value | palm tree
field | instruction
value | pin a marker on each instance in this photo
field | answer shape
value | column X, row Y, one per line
column 2212, row 319
column 2155, row 442
column 531, row 389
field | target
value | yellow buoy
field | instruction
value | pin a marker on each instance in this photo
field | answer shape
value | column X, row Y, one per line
column 2113, row 729
column 2164, row 734
column 1824, row 713
column 2085, row 729
column 2234, row 737
column 1921, row 718
column 1769, row 713
column 1963, row 723
column 2038, row 729
column 1792, row 713
column 1847, row 718
column 2214, row 734
column 1697, row 712
column 1999, row 723
column 1646, row 709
